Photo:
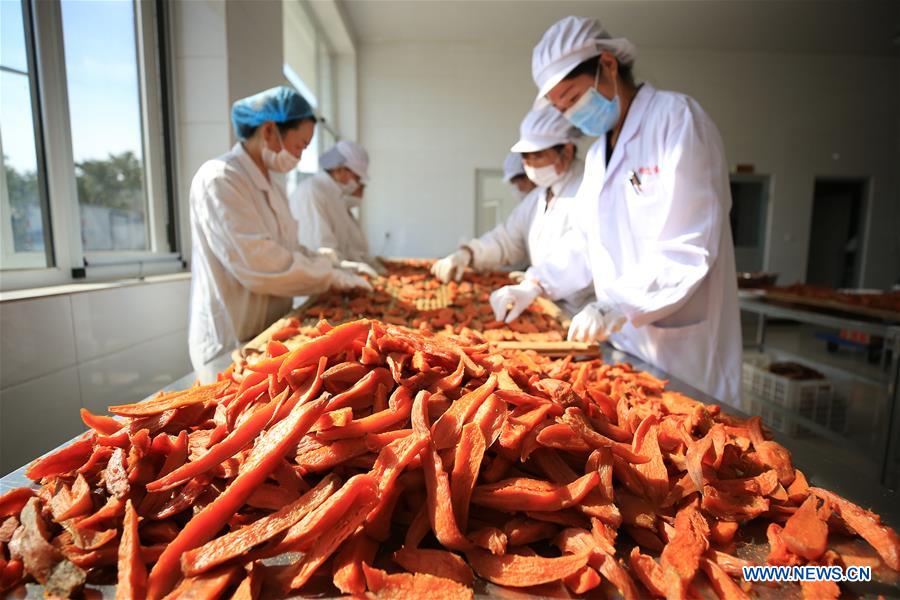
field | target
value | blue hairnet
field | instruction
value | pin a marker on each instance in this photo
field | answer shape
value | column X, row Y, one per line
column 279, row 104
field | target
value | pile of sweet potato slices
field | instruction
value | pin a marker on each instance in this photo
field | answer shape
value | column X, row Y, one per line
column 389, row 462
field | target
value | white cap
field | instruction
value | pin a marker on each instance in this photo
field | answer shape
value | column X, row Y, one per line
column 512, row 166
column 544, row 128
column 567, row 44
column 347, row 154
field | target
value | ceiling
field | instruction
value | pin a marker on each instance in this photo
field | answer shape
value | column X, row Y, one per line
column 805, row 26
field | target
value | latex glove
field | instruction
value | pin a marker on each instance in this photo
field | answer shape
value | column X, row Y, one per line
column 517, row 276
column 345, row 280
column 595, row 323
column 510, row 301
column 452, row 266
column 360, row 268
column 330, row 254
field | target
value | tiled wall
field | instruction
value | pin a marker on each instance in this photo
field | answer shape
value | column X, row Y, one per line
column 88, row 349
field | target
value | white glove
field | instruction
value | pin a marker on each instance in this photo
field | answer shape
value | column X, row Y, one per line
column 452, row 266
column 510, row 301
column 345, row 280
column 330, row 254
column 360, row 268
column 595, row 323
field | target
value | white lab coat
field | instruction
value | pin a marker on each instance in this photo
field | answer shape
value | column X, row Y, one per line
column 532, row 230
column 325, row 221
column 662, row 251
column 246, row 264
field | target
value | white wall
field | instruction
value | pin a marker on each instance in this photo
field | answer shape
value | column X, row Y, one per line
column 90, row 349
column 430, row 113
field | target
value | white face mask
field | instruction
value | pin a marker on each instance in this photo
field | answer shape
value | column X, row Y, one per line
column 543, row 176
column 519, row 194
column 349, row 187
column 281, row 161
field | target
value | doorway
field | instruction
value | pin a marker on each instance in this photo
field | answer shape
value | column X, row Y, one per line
column 837, row 233
column 749, row 220
column 493, row 200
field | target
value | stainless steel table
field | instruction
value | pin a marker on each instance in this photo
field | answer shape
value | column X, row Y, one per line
column 890, row 334
column 819, row 469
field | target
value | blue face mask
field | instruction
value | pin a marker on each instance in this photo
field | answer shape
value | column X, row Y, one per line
column 592, row 113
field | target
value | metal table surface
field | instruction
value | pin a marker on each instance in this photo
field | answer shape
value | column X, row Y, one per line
column 820, row 471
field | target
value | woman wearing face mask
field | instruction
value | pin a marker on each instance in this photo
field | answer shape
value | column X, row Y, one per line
column 322, row 203
column 546, row 144
column 653, row 235
column 514, row 175
column 246, row 265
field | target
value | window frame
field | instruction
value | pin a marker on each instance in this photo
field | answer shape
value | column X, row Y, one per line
column 68, row 261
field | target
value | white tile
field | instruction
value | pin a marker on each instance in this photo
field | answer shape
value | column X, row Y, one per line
column 111, row 320
column 202, row 89
column 200, row 142
column 36, row 338
column 37, row 416
column 199, row 28
column 135, row 372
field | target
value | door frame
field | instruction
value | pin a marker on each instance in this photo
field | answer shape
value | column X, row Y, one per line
column 865, row 222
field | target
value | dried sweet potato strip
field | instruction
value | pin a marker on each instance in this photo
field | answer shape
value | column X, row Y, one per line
column 445, row 431
column 325, row 545
column 575, row 419
column 195, row 395
column 521, row 493
column 101, row 423
column 347, row 567
column 334, row 341
column 648, row 572
column 722, row 583
column 361, row 391
column 132, row 573
column 12, row 502
column 319, row 521
column 804, row 533
column 419, row 585
column 868, row 525
column 466, row 465
column 65, row 460
column 235, row 543
column 681, row 557
column 401, row 405
column 208, row 586
column 515, row 570
column 653, row 474
column 315, row 457
column 439, row 563
column 264, row 457
column 437, row 484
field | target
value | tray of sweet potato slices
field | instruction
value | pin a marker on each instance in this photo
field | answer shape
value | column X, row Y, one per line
column 386, row 460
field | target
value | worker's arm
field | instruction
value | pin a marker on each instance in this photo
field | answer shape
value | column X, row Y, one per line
column 239, row 240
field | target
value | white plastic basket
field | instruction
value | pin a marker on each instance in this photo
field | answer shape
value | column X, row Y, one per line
column 813, row 399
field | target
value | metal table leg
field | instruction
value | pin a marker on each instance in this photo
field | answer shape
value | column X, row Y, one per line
column 889, row 460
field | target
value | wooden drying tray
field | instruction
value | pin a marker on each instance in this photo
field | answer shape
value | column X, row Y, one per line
column 835, row 305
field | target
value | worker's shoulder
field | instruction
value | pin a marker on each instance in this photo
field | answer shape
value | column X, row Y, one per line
column 666, row 105
column 224, row 166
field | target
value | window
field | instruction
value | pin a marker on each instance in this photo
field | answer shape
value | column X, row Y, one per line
column 85, row 187
column 105, row 116
column 23, row 210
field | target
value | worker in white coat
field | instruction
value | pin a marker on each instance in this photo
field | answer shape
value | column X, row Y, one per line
column 547, row 147
column 654, row 233
column 246, row 263
column 514, row 175
column 322, row 203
